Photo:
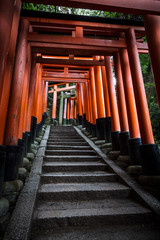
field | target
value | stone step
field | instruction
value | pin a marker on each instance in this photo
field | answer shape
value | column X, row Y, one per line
column 70, row 152
column 79, row 177
column 66, row 140
column 71, row 158
column 68, row 143
column 90, row 213
column 65, row 136
column 82, row 191
column 61, row 147
column 110, row 232
column 73, row 166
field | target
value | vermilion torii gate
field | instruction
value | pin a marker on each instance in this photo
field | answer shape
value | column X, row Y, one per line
column 37, row 49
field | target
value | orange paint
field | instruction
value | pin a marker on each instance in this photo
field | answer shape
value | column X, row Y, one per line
column 7, row 77
column 105, row 91
column 99, row 91
column 75, row 109
column 65, row 109
column 139, row 91
column 93, row 95
column 129, row 95
column 54, row 106
column 79, row 101
column 112, row 96
column 120, row 95
column 25, row 93
column 71, row 109
column 13, row 117
column 68, row 108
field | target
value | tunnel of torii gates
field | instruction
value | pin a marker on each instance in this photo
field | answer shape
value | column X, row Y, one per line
column 39, row 51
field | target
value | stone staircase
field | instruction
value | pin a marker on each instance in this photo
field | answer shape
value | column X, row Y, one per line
column 79, row 198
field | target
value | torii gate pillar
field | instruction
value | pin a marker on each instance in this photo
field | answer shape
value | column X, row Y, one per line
column 149, row 150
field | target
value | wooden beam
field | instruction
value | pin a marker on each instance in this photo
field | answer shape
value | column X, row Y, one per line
column 69, row 66
column 124, row 6
column 49, row 48
column 63, row 89
column 60, row 23
column 46, row 38
column 63, row 75
column 70, row 62
column 47, row 79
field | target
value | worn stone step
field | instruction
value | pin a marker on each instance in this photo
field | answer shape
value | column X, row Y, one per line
column 110, row 232
column 82, row 191
column 71, row 158
column 74, row 136
column 66, row 140
column 78, row 177
column 68, row 143
column 70, row 152
column 92, row 213
column 62, row 147
column 73, row 166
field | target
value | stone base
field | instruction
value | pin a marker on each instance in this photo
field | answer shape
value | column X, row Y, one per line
column 106, row 150
column 30, row 156
column 4, row 206
column 99, row 142
column 135, row 171
column 152, row 181
column 151, row 184
column 11, row 190
column 106, row 145
column 113, row 155
column 94, row 139
column 123, row 161
column 22, row 174
column 26, row 164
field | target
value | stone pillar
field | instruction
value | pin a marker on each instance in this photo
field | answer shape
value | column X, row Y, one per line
column 135, row 140
column 61, row 109
column 149, row 151
column 8, row 68
column 93, row 101
column 152, row 27
column 124, row 134
column 113, row 106
column 107, row 120
column 100, row 101
column 13, row 117
column 54, row 106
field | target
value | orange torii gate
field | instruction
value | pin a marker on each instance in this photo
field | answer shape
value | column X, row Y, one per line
column 25, row 77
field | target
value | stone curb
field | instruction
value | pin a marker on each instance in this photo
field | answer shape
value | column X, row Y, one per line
column 19, row 226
